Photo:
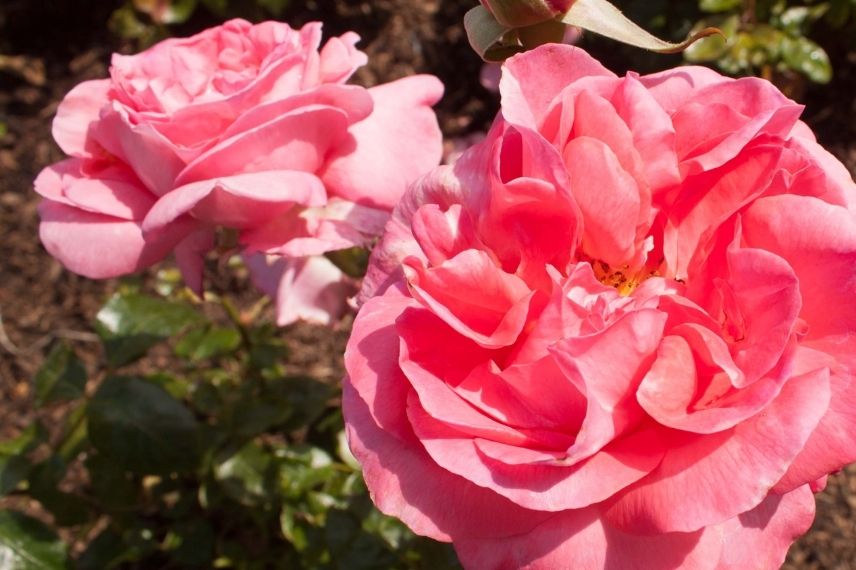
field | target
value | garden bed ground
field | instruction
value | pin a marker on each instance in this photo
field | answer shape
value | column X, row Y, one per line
column 57, row 45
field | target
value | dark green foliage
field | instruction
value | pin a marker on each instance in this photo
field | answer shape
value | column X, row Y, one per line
column 219, row 460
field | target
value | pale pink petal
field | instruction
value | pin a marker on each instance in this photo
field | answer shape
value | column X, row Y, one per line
column 339, row 58
column 399, row 142
column 244, row 200
column 190, row 257
column 298, row 141
column 151, row 156
column 99, row 246
column 76, row 113
column 308, row 288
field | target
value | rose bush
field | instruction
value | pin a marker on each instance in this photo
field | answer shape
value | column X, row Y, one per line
column 619, row 333
column 247, row 127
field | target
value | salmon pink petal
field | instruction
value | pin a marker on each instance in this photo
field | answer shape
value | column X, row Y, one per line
column 760, row 538
column 530, row 83
column 535, row 480
column 652, row 131
column 674, row 87
column 76, row 113
column 405, row 482
column 443, row 235
column 372, row 359
column 530, row 395
column 402, row 130
column 692, row 384
column 609, row 200
column 831, row 445
column 495, row 319
column 582, row 540
column 607, row 377
column 768, row 441
column 818, row 241
column 708, row 200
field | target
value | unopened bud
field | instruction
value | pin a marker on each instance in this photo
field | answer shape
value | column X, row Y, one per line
column 522, row 13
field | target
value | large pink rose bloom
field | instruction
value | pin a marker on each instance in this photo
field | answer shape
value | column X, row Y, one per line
column 619, row 333
column 246, row 127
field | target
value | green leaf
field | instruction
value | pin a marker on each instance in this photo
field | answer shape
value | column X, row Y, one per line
column 193, row 543
column 27, row 544
column 208, row 342
column 352, row 261
column 14, row 466
column 141, row 427
column 486, row 35
column 275, row 7
column 248, row 475
column 114, row 488
column 131, row 323
column 719, row 5
column 106, row 551
column 351, row 547
column 601, row 17
column 218, row 7
column 68, row 509
column 805, row 56
column 62, row 377
column 306, row 396
column 713, row 47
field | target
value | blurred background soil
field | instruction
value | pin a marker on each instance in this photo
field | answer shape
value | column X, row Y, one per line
column 46, row 47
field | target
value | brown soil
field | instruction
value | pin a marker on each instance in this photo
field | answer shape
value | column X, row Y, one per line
column 59, row 44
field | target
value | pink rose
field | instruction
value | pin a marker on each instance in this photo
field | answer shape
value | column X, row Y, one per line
column 619, row 333
column 246, row 127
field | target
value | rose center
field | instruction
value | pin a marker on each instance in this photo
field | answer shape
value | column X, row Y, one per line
column 623, row 279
